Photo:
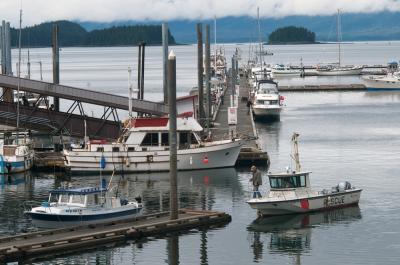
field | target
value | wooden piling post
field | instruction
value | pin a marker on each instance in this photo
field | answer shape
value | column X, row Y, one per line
column 56, row 63
column 165, row 60
column 200, row 72
column 172, row 136
column 143, row 44
column 208, row 76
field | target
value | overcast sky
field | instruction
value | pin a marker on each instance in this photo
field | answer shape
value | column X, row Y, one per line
column 37, row 11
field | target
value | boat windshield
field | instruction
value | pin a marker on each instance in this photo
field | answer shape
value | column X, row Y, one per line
column 287, row 182
column 266, row 88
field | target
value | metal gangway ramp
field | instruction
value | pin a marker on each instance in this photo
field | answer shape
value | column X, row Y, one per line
column 56, row 122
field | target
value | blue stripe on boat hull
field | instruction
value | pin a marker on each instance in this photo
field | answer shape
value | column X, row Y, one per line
column 382, row 89
column 82, row 218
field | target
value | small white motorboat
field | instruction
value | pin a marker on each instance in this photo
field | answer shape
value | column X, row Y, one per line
column 280, row 70
column 383, row 83
column 267, row 103
column 83, row 206
column 290, row 192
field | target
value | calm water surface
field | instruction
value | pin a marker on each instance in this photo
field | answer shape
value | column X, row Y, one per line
column 352, row 136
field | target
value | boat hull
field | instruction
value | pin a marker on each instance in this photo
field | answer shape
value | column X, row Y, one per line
column 207, row 157
column 306, row 204
column 337, row 72
column 15, row 164
column 47, row 220
column 380, row 84
column 267, row 112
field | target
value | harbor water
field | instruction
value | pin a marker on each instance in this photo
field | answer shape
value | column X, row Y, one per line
column 353, row 136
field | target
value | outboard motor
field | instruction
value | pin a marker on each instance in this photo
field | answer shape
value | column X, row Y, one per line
column 138, row 199
column 342, row 186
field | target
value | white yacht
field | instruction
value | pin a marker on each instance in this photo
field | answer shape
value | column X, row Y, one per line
column 280, row 70
column 144, row 147
column 290, row 192
column 16, row 153
column 82, row 206
column 381, row 83
column 267, row 103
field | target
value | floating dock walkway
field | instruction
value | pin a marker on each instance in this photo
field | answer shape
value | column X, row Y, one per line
column 66, row 240
column 320, row 88
column 251, row 152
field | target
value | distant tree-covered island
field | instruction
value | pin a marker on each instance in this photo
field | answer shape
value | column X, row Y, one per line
column 73, row 34
column 291, row 35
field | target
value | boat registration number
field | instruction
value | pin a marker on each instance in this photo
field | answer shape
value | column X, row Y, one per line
column 334, row 201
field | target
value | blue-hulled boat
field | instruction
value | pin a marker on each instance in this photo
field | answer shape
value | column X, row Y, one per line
column 83, row 206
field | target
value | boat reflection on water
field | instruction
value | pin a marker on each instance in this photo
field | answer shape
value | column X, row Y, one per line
column 197, row 188
column 291, row 234
column 16, row 181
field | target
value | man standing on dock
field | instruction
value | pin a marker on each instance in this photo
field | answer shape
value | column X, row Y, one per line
column 257, row 181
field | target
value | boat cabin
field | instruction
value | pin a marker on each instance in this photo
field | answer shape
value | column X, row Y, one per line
column 154, row 132
column 82, row 197
column 294, row 180
column 267, row 87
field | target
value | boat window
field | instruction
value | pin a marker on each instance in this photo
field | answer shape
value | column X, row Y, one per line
column 193, row 139
column 64, row 198
column 100, row 149
column 187, row 138
column 151, row 139
column 115, row 149
column 164, row 139
column 287, row 182
column 92, row 199
column 131, row 149
column 77, row 199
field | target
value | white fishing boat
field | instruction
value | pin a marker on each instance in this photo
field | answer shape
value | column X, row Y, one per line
column 82, row 206
column 16, row 153
column 281, row 70
column 337, row 69
column 144, row 147
column 267, row 103
column 290, row 192
column 381, row 83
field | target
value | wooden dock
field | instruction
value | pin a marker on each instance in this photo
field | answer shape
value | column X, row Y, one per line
column 49, row 161
column 66, row 240
column 251, row 152
column 319, row 88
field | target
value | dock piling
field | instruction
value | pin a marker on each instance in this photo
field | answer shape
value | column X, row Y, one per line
column 207, row 75
column 172, row 136
column 165, row 60
column 200, row 72
column 56, row 63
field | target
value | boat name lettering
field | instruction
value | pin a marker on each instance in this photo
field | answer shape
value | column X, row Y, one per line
column 334, row 201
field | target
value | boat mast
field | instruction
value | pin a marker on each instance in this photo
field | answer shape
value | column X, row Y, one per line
column 259, row 36
column 339, row 33
column 19, row 69
column 295, row 155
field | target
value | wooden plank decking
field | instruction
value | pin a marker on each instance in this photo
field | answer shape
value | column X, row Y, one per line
column 60, row 241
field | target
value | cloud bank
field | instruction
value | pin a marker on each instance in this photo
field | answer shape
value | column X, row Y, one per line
column 38, row 11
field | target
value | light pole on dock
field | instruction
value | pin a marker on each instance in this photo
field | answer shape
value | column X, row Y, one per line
column 172, row 136
column 200, row 72
column 165, row 59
